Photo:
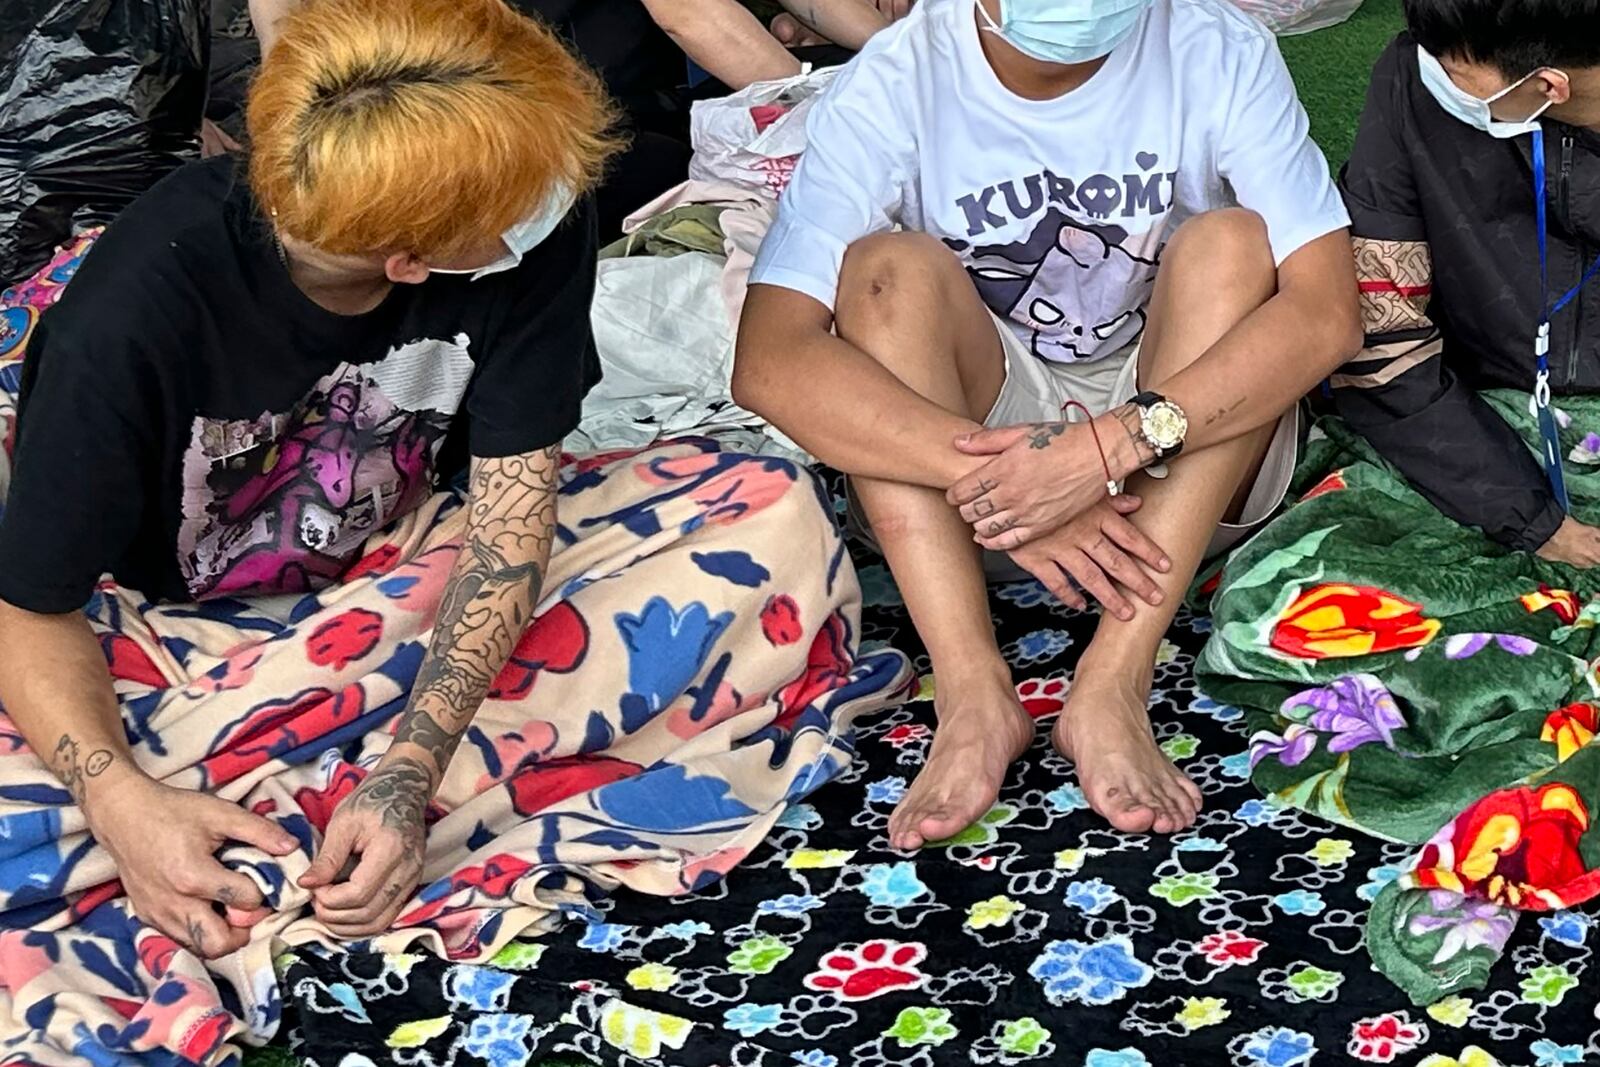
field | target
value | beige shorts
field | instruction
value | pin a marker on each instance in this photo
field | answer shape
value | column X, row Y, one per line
column 1035, row 389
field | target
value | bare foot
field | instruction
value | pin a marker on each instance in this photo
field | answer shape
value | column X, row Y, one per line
column 1105, row 730
column 982, row 731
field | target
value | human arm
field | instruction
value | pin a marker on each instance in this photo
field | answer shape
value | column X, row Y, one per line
column 538, row 361
column 790, row 367
column 1038, row 477
column 74, row 501
column 724, row 39
column 850, row 23
column 488, row 601
column 265, row 15
column 834, row 400
column 163, row 841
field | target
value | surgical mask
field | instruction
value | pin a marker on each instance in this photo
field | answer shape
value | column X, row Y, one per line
column 1065, row 31
column 523, row 237
column 1471, row 109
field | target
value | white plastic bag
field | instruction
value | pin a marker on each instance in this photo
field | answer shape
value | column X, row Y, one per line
column 754, row 138
column 1288, row 17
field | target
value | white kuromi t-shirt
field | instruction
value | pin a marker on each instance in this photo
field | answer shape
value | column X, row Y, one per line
column 1059, row 209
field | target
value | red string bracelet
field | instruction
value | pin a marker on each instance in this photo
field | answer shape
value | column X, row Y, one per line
column 1111, row 483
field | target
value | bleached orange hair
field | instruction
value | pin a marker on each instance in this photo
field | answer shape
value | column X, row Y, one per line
column 427, row 126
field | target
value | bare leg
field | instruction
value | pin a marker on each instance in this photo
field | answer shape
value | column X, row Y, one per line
column 1214, row 273
column 905, row 301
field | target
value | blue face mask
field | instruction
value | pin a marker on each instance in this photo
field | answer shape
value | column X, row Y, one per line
column 524, row 236
column 1474, row 111
column 1065, row 31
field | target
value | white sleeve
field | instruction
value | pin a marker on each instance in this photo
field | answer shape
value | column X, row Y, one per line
column 848, row 184
column 1269, row 160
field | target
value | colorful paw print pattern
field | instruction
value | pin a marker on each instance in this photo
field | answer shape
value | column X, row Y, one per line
column 1039, row 937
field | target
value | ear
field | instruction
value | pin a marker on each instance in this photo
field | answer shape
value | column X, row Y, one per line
column 1085, row 246
column 405, row 268
column 1553, row 85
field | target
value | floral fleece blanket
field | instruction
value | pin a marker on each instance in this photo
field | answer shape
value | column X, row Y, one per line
column 1408, row 678
column 692, row 673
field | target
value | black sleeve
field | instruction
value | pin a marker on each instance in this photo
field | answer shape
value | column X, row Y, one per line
column 539, row 359
column 78, row 486
column 1400, row 392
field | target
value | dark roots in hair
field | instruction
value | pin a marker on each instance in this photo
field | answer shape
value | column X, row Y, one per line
column 1516, row 36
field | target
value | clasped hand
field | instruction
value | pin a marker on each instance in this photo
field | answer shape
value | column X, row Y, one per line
column 1042, row 497
column 1037, row 477
column 371, row 855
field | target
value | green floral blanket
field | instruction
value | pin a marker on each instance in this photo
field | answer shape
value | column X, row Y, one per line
column 1409, row 678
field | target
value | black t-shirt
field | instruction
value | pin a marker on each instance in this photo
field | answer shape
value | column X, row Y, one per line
column 195, row 425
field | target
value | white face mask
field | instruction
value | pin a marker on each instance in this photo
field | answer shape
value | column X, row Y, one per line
column 1471, row 109
column 1065, row 31
column 523, row 237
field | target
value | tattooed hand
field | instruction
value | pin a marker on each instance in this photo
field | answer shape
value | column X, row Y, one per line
column 1037, row 478
column 381, row 827
column 164, row 842
column 487, row 604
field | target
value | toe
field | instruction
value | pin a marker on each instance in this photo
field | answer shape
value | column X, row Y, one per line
column 1131, row 815
column 1191, row 790
column 1166, row 819
column 939, row 824
column 1187, row 805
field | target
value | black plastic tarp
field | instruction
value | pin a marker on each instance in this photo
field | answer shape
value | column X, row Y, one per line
column 98, row 100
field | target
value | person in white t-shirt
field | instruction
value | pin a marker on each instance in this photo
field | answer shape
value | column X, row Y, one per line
column 1113, row 202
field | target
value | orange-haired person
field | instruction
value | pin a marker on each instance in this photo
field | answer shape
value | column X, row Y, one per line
column 264, row 361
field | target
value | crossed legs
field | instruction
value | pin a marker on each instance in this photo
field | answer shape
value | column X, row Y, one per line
column 906, row 301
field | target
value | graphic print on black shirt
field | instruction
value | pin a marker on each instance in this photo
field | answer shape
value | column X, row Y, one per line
column 196, row 426
column 281, row 503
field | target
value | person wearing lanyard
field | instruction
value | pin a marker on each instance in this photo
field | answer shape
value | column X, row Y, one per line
column 1474, row 194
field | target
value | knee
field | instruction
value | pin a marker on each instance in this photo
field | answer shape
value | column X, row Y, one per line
column 1230, row 245
column 889, row 276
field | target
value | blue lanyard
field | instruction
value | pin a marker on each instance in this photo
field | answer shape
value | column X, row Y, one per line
column 1541, row 343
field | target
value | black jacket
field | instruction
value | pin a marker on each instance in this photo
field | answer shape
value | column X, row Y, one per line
column 1444, row 224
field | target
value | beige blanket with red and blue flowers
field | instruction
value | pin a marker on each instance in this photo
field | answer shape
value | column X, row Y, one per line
column 1408, row 677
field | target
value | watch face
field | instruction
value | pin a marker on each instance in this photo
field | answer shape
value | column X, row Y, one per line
column 1165, row 425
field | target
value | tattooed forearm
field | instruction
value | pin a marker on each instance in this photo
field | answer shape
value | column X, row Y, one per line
column 75, row 773
column 489, row 600
column 426, row 733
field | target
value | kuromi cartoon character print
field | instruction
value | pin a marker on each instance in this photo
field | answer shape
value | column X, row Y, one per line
column 1069, row 290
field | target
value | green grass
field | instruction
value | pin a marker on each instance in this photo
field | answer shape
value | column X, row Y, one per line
column 1330, row 69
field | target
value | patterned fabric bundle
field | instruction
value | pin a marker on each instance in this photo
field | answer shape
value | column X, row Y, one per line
column 1409, row 678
